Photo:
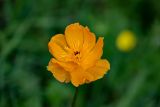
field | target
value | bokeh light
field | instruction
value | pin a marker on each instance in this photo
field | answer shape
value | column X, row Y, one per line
column 126, row 41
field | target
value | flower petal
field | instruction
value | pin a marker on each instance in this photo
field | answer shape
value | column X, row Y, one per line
column 58, row 72
column 79, row 76
column 68, row 66
column 57, row 47
column 95, row 54
column 100, row 68
column 89, row 41
column 74, row 36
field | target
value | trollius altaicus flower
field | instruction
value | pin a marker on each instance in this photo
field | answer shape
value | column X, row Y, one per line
column 77, row 56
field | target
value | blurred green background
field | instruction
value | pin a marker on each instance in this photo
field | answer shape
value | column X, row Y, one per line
column 26, row 26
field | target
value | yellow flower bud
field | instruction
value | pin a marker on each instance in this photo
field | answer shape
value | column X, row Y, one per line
column 126, row 41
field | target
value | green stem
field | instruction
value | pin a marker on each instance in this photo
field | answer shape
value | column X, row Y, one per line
column 75, row 97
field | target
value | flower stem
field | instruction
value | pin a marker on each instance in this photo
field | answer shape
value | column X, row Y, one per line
column 75, row 97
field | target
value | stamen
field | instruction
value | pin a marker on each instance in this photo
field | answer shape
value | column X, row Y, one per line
column 76, row 52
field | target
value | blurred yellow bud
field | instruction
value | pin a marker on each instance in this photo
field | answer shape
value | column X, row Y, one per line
column 126, row 41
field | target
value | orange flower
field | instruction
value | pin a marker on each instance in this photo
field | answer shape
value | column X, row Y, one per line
column 77, row 56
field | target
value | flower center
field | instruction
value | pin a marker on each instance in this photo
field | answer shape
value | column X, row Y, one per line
column 77, row 56
column 76, row 53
